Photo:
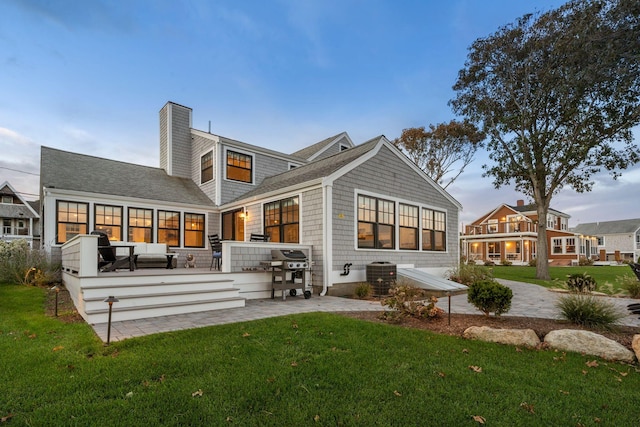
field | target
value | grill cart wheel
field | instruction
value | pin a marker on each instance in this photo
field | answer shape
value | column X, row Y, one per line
column 292, row 292
column 307, row 294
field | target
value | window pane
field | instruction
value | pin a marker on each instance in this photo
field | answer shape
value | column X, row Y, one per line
column 408, row 238
column 194, row 230
column 206, row 167
column 385, row 237
column 365, row 235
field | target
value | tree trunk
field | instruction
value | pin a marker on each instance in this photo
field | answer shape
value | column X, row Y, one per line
column 542, row 253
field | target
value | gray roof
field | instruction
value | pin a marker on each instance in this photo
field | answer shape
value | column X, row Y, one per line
column 608, row 227
column 71, row 171
column 309, row 172
column 308, row 152
column 16, row 211
column 534, row 208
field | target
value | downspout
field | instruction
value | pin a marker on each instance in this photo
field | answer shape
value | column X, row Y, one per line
column 327, row 241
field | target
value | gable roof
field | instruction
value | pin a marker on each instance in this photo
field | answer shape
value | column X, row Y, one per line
column 71, row 171
column 534, row 208
column 312, row 151
column 24, row 210
column 329, row 167
column 608, row 227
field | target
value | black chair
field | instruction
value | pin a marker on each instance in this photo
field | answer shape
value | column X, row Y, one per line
column 636, row 269
column 216, row 251
column 259, row 237
column 108, row 260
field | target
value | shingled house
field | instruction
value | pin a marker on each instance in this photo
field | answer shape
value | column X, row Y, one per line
column 354, row 204
column 20, row 218
column 617, row 240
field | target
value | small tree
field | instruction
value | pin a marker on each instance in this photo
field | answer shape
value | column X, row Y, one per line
column 444, row 149
column 489, row 296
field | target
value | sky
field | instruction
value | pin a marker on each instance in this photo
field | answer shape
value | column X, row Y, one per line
column 91, row 77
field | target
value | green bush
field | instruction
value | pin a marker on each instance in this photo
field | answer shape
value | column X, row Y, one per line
column 581, row 283
column 505, row 262
column 630, row 284
column 489, row 296
column 411, row 301
column 533, row 262
column 589, row 311
column 583, row 260
column 20, row 264
column 363, row 290
column 470, row 273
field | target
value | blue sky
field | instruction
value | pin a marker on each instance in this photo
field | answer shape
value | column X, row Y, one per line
column 91, row 77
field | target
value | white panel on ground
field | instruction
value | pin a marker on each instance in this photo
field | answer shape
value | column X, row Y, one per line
column 429, row 281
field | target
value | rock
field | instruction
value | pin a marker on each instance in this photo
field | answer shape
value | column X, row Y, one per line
column 635, row 344
column 522, row 337
column 588, row 343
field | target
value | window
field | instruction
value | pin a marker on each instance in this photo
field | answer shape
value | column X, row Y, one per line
column 7, row 199
column 570, row 245
column 281, row 220
column 6, row 226
column 140, row 225
column 72, row 219
column 556, row 245
column 492, row 226
column 343, row 147
column 206, row 167
column 493, row 250
column 601, row 241
column 551, row 221
column 193, row 230
column 376, row 223
column 433, row 230
column 233, row 225
column 408, row 227
column 169, row 228
column 109, row 220
column 239, row 166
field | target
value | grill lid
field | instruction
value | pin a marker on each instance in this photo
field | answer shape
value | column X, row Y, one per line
column 288, row 255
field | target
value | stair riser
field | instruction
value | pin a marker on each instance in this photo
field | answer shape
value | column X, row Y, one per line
column 144, row 300
column 93, row 293
column 164, row 311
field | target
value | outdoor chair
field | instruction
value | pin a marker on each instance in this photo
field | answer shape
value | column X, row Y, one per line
column 636, row 269
column 108, row 260
column 259, row 237
column 216, row 251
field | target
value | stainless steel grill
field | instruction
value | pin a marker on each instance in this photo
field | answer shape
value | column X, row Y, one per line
column 289, row 272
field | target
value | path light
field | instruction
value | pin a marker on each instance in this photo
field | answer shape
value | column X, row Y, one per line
column 57, row 289
column 110, row 300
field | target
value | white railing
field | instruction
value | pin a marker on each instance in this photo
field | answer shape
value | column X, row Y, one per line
column 80, row 255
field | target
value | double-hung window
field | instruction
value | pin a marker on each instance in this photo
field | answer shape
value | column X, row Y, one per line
column 109, row 220
column 140, row 225
column 72, row 219
column 376, row 223
column 281, row 220
column 556, row 246
column 434, row 228
column 570, row 245
column 193, row 230
column 408, row 227
column 169, row 228
column 206, row 167
column 239, row 166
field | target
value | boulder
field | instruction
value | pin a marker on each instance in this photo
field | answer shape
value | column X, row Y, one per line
column 588, row 343
column 635, row 344
column 521, row 337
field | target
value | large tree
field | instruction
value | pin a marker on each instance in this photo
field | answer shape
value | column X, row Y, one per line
column 557, row 94
column 443, row 151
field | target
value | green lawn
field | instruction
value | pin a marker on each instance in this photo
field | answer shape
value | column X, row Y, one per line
column 311, row 369
column 605, row 276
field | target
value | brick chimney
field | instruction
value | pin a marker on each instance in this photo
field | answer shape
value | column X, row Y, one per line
column 520, row 202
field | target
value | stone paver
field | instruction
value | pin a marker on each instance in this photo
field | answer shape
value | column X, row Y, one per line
column 528, row 301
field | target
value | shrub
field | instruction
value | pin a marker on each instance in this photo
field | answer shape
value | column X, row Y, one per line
column 505, row 262
column 589, row 311
column 581, row 282
column 410, row 301
column 470, row 273
column 630, row 284
column 363, row 290
column 20, row 264
column 489, row 263
column 583, row 260
column 490, row 296
column 533, row 262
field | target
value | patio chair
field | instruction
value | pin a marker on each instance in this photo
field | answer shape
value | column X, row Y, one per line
column 259, row 237
column 216, row 251
column 108, row 260
column 636, row 269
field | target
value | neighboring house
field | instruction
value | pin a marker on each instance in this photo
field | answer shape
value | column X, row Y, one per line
column 354, row 204
column 617, row 240
column 510, row 233
column 20, row 218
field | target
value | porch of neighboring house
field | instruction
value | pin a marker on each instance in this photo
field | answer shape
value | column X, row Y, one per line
column 152, row 292
column 518, row 251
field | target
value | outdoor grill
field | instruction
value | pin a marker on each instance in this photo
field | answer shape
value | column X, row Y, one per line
column 289, row 272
